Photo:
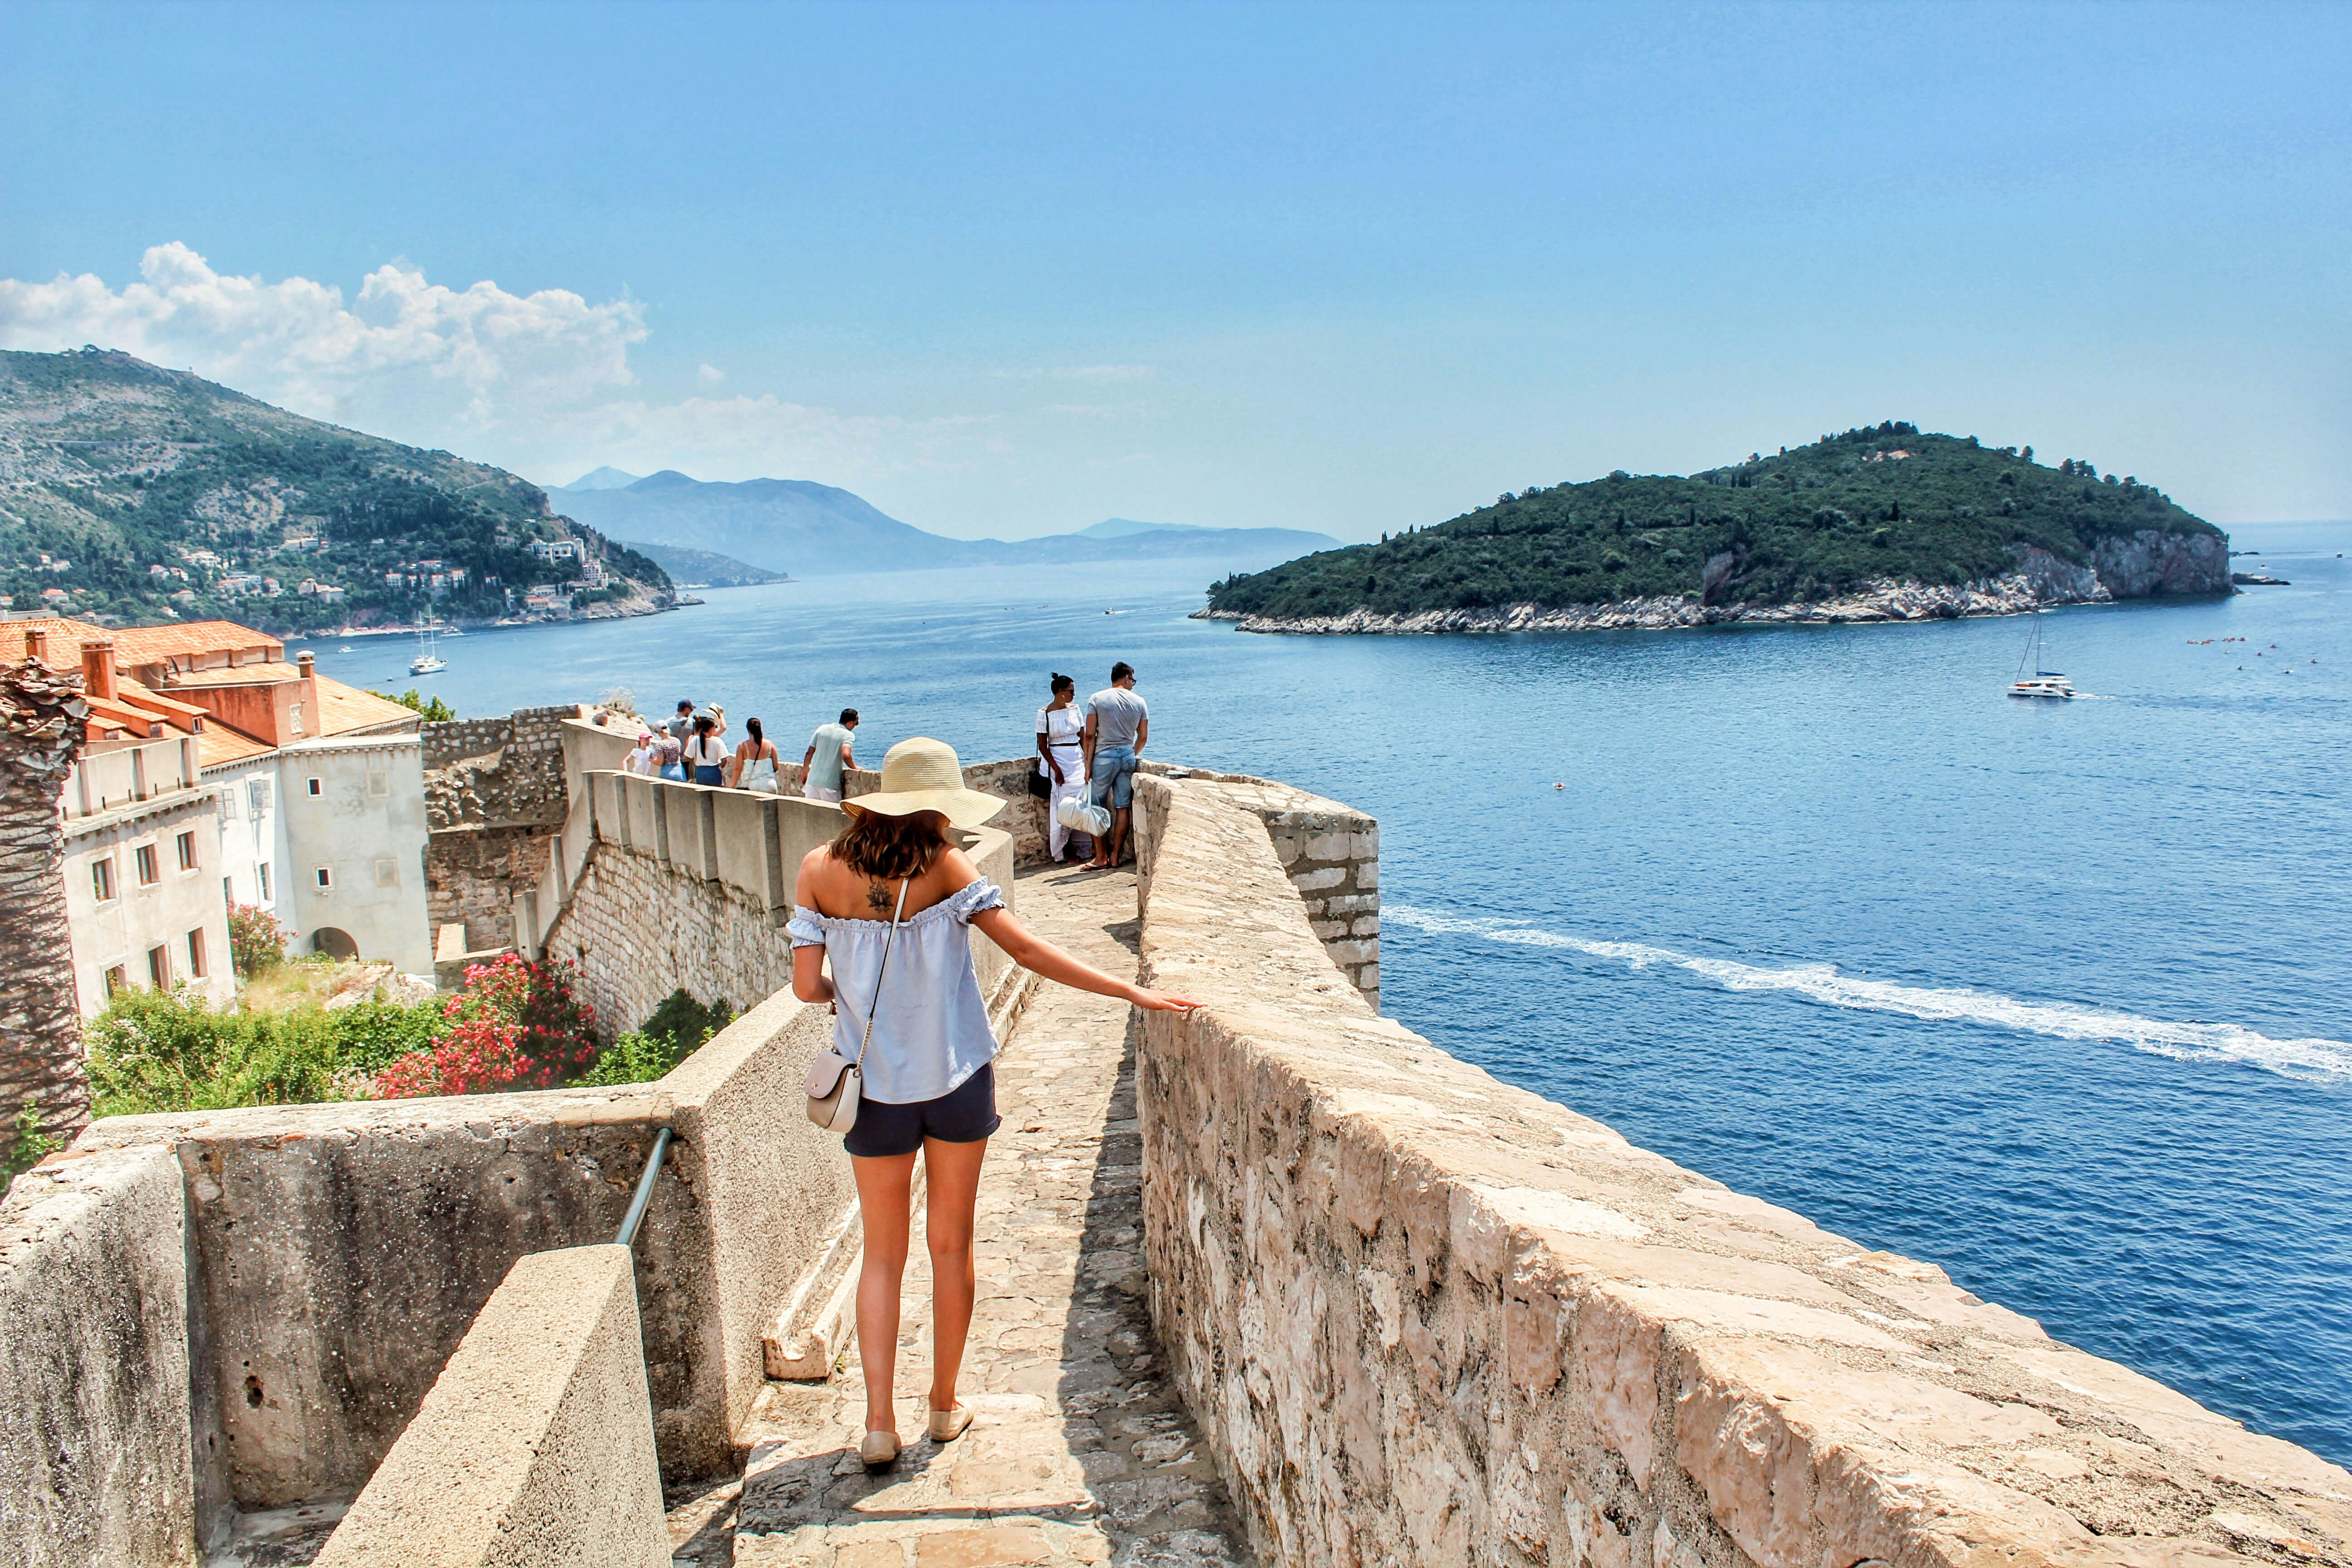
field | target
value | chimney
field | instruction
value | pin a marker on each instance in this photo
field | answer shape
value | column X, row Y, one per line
column 36, row 644
column 98, row 667
column 308, row 662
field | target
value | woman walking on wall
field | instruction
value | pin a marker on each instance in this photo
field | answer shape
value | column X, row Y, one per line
column 706, row 753
column 1060, row 758
column 892, row 883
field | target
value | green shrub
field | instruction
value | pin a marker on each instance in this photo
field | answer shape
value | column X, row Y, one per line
column 634, row 1058
column 28, row 1144
column 169, row 1050
column 682, row 1024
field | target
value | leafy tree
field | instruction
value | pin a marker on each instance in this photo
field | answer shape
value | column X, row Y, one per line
column 256, row 942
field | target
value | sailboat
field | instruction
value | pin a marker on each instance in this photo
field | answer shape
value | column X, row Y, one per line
column 427, row 662
column 2041, row 682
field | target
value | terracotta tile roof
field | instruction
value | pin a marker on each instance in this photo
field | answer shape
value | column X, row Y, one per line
column 138, row 721
column 219, row 744
column 240, row 675
column 343, row 709
column 137, row 644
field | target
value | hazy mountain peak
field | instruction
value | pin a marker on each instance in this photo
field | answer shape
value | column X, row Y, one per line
column 1121, row 527
column 603, row 478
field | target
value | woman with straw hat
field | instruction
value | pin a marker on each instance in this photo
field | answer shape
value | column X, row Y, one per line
column 892, row 886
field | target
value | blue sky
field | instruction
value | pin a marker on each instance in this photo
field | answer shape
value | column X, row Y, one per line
column 1011, row 269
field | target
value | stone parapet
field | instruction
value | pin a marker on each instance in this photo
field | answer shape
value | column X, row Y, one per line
column 95, row 1459
column 1423, row 1316
column 1329, row 852
column 340, row 1250
column 536, row 1445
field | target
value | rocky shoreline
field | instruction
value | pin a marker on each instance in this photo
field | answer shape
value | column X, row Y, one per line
column 2147, row 565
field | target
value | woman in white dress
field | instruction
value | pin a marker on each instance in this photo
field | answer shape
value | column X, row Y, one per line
column 755, row 760
column 1061, row 760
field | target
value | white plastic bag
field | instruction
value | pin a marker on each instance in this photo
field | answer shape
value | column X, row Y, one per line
column 1081, row 816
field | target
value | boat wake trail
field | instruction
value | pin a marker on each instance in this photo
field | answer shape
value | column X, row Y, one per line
column 2311, row 1061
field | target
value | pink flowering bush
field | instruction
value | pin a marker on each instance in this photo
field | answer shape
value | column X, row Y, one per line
column 515, row 1025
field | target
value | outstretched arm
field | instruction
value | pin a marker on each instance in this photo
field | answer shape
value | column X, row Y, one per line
column 1040, row 957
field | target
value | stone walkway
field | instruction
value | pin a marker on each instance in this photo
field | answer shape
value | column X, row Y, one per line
column 1079, row 1450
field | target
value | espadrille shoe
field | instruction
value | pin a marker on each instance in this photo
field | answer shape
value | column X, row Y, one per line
column 880, row 1450
column 946, row 1426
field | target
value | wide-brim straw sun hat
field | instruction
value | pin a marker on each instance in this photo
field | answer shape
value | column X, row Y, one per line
column 922, row 774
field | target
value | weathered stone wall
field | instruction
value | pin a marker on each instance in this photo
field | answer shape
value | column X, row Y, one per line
column 1423, row 1317
column 95, row 1465
column 658, row 887
column 341, row 1250
column 470, row 875
column 1330, row 852
column 536, row 1445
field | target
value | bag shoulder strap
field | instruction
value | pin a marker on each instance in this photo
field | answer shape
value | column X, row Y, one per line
column 887, row 943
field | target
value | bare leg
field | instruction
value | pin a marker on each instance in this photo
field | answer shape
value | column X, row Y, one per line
column 950, row 1186
column 1118, row 825
column 885, row 1208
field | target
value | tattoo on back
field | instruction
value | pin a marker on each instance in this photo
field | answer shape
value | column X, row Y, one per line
column 877, row 897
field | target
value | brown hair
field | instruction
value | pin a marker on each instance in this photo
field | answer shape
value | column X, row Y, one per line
column 888, row 848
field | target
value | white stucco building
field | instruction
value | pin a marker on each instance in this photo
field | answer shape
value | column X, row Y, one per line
column 233, row 777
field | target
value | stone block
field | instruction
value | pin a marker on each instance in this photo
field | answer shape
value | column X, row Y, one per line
column 1368, row 875
column 96, row 1461
column 1365, row 925
column 1320, row 878
column 536, row 1445
column 1353, row 950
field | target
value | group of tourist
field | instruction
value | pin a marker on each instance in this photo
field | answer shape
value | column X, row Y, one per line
column 689, row 747
column 1090, row 754
column 1084, row 753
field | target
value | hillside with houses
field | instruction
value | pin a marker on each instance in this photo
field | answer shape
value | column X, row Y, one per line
column 131, row 495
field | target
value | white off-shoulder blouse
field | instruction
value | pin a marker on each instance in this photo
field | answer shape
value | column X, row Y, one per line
column 930, row 1026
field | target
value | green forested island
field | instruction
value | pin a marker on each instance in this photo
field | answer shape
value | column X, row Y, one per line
column 130, row 495
column 1880, row 522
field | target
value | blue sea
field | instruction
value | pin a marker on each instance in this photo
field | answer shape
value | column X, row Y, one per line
column 2056, row 995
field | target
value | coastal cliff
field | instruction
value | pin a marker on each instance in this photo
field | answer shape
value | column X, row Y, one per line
column 2144, row 565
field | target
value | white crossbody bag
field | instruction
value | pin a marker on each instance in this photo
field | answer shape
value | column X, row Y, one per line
column 834, row 1081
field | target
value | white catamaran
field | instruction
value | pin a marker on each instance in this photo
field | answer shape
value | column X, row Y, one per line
column 2041, row 682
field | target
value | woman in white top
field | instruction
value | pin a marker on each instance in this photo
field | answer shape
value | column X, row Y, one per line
column 641, row 761
column 755, row 760
column 705, row 754
column 1060, row 757
column 929, row 1081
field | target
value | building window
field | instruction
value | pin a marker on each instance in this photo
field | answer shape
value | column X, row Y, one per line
column 187, row 851
column 387, row 872
column 318, row 787
column 196, row 953
column 102, row 877
column 148, row 872
column 228, row 891
column 158, row 967
column 117, row 981
column 379, row 784
column 265, row 881
column 256, row 796
column 326, row 878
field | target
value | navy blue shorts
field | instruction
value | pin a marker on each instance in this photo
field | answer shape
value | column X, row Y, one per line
column 965, row 1115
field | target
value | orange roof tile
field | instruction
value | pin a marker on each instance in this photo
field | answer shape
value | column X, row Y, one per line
column 219, row 744
column 346, row 710
column 135, row 645
column 259, row 674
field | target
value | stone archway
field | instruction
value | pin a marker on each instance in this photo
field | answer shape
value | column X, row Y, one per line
column 334, row 942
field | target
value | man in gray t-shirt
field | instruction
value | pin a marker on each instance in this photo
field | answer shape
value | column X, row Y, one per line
column 1117, row 725
column 828, row 753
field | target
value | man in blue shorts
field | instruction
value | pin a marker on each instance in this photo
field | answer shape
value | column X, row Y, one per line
column 1118, row 724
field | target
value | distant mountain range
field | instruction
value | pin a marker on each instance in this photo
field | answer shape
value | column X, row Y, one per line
column 810, row 530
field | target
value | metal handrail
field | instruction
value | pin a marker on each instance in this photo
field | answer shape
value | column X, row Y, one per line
column 645, row 1194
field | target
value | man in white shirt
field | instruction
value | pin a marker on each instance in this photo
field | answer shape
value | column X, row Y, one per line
column 1117, row 725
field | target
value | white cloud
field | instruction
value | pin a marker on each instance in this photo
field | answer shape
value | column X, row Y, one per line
column 454, row 360
column 538, row 382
